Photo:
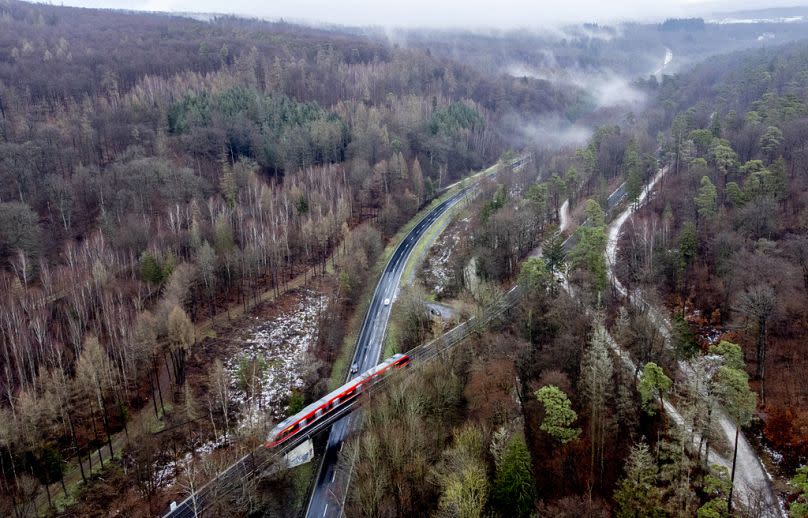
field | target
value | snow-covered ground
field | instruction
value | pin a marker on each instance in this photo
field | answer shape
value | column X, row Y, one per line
column 436, row 271
column 166, row 474
column 283, row 343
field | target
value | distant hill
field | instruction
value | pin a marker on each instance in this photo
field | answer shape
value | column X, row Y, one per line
column 770, row 15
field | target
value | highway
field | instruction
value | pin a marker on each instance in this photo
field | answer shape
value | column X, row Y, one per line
column 366, row 355
column 331, row 485
column 328, row 494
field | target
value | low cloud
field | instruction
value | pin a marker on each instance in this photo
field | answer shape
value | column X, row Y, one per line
column 552, row 132
column 607, row 89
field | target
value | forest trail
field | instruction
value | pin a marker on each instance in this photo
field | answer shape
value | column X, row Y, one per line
column 752, row 482
column 564, row 215
column 665, row 62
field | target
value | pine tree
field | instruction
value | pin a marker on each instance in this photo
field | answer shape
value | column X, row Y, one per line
column 596, row 379
column 799, row 507
column 558, row 414
column 589, row 251
column 637, row 495
column 653, row 386
column 732, row 388
column 706, row 199
column 514, row 491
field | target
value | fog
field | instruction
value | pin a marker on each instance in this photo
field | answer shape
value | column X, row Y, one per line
column 607, row 88
column 445, row 13
column 550, row 132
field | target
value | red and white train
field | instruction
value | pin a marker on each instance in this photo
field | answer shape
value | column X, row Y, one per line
column 311, row 414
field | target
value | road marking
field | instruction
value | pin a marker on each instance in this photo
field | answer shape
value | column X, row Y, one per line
column 325, row 510
column 334, row 473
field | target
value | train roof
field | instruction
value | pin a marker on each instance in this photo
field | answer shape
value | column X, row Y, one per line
column 311, row 407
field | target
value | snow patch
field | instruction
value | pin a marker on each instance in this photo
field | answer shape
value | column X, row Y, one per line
column 283, row 344
column 166, row 475
column 436, row 270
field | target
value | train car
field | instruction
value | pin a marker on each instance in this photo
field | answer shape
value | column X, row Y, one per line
column 312, row 413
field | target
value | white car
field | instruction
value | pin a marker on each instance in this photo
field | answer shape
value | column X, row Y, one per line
column 386, row 302
column 354, row 368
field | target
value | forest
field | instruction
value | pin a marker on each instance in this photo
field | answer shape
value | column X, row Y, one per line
column 563, row 429
column 167, row 182
column 733, row 217
column 158, row 170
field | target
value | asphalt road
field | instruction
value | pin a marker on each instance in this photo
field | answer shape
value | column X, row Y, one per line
column 328, row 495
column 323, row 500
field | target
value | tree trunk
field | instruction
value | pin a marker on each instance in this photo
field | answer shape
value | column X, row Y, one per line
column 805, row 277
column 47, row 492
column 761, row 347
column 76, row 447
column 705, row 435
column 105, row 420
column 159, row 388
column 732, row 478
column 153, row 395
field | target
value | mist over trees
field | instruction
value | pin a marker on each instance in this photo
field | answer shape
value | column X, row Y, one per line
column 158, row 171
column 720, row 243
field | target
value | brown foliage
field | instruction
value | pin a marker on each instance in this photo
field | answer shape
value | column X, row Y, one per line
column 787, row 430
column 490, row 391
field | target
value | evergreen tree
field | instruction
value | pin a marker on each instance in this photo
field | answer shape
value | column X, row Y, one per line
column 588, row 254
column 732, row 388
column 716, row 487
column 799, row 507
column 558, row 414
column 706, row 199
column 596, row 379
column 653, row 386
column 632, row 172
column 514, row 492
column 637, row 495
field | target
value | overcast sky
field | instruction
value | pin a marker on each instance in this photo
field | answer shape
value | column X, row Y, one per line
column 444, row 13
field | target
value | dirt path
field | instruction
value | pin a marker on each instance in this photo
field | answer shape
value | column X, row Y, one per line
column 564, row 215
column 752, row 481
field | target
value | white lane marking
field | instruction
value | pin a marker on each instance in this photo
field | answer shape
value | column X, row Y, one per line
column 325, row 510
column 333, row 475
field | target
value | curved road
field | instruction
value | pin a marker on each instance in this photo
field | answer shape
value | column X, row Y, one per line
column 752, row 481
column 328, row 495
column 366, row 356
